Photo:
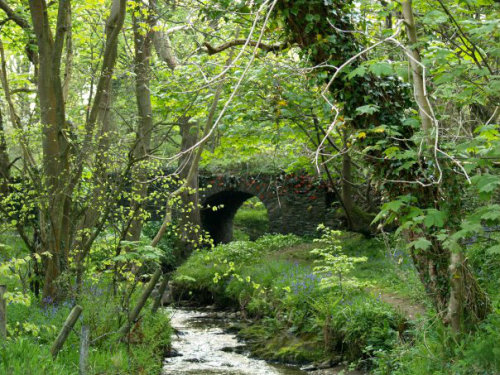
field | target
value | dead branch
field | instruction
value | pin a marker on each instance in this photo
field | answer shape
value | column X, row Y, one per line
column 241, row 42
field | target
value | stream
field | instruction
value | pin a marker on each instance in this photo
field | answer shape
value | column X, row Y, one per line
column 204, row 346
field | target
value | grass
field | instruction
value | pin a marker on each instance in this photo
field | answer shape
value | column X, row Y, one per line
column 33, row 326
column 251, row 221
column 295, row 317
column 32, row 330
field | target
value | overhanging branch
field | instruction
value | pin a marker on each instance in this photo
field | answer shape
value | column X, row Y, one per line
column 240, row 42
column 17, row 18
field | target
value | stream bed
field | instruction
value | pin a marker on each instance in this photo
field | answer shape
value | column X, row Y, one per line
column 203, row 345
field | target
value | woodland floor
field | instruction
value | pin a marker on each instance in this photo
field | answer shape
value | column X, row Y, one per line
column 405, row 295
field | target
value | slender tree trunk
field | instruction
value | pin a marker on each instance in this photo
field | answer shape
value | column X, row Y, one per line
column 68, row 66
column 143, row 47
column 348, row 203
column 189, row 212
column 99, row 208
column 4, row 161
column 424, row 107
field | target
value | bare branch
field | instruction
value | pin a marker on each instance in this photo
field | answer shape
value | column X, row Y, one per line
column 241, row 42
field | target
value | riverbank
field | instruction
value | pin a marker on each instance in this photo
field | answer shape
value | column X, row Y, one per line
column 302, row 309
column 365, row 313
column 205, row 343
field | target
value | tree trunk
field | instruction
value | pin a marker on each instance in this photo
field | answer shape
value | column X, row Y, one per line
column 188, row 212
column 143, row 48
column 55, row 217
column 424, row 107
column 54, row 207
column 444, row 274
column 4, row 162
column 99, row 208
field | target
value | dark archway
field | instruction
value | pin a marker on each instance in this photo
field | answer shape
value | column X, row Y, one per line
column 218, row 212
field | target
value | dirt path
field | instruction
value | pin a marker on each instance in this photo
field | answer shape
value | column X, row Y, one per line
column 409, row 308
column 404, row 305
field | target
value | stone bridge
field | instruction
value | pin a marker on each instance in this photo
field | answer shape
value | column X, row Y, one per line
column 295, row 203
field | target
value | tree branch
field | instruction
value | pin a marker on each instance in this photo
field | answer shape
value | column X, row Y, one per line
column 240, row 42
column 164, row 49
column 17, row 18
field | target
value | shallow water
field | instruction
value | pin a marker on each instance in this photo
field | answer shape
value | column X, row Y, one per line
column 205, row 347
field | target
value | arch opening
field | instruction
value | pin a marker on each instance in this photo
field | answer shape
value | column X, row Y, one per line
column 218, row 215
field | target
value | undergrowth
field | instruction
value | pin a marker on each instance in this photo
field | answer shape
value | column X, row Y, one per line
column 297, row 316
column 33, row 324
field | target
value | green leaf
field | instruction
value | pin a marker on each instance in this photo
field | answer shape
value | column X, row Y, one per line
column 434, row 218
column 367, row 109
column 393, row 206
column 491, row 212
column 435, row 17
column 381, row 69
column 358, row 72
column 486, row 184
column 421, row 244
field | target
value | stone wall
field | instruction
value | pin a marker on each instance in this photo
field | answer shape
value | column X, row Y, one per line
column 295, row 203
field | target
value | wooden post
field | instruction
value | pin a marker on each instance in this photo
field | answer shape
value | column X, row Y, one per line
column 84, row 350
column 161, row 290
column 3, row 312
column 140, row 304
column 66, row 329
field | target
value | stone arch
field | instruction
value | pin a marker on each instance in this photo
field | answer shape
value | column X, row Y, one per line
column 232, row 192
column 294, row 203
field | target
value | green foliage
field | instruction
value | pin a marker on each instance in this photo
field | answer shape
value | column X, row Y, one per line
column 288, row 298
column 32, row 330
column 166, row 244
column 334, row 266
column 437, row 351
column 251, row 220
column 109, row 290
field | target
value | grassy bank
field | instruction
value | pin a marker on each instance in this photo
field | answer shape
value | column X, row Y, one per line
column 33, row 324
column 300, row 313
column 375, row 315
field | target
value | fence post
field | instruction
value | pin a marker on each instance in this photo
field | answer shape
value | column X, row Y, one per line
column 3, row 312
column 84, row 350
column 65, row 330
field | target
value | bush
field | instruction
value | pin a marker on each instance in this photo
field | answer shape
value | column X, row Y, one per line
column 437, row 350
